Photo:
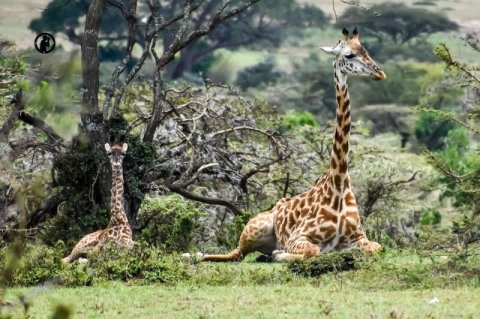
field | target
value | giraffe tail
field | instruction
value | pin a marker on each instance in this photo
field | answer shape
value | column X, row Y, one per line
column 234, row 255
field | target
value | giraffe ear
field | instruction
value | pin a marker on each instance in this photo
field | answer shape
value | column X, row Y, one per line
column 328, row 50
column 107, row 147
column 124, row 147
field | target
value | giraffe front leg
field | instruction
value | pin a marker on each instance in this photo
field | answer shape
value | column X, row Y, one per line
column 299, row 249
column 86, row 244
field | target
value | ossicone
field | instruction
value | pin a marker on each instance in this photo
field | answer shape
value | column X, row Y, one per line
column 346, row 33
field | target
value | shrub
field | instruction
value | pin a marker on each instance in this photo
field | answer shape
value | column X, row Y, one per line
column 170, row 222
column 325, row 263
column 37, row 264
column 41, row 264
column 430, row 217
column 294, row 119
column 431, row 131
column 143, row 264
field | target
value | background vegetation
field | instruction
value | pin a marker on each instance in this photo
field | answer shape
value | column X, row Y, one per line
column 222, row 125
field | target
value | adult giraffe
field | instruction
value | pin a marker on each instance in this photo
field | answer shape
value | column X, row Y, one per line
column 324, row 218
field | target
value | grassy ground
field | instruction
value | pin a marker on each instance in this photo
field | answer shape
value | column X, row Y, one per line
column 117, row 300
column 393, row 285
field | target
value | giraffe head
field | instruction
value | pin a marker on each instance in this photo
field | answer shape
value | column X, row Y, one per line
column 116, row 153
column 352, row 58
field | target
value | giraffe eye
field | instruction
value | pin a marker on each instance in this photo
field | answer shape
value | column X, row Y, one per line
column 350, row 56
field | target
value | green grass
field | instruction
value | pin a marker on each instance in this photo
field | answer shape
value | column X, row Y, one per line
column 393, row 285
column 117, row 300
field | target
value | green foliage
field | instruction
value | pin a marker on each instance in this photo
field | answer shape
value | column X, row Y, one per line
column 417, row 49
column 457, row 160
column 37, row 264
column 325, row 263
column 13, row 69
column 142, row 264
column 263, row 73
column 458, row 163
column 41, row 264
column 43, row 101
column 430, row 217
column 170, row 222
column 294, row 119
column 409, row 83
column 76, row 172
column 309, row 87
column 431, row 131
column 230, row 235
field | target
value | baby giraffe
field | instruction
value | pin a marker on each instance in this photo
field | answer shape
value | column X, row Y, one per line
column 118, row 230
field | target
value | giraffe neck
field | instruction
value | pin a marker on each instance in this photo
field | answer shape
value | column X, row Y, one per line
column 117, row 211
column 339, row 157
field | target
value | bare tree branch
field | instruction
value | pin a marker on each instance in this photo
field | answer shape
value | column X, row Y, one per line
column 18, row 113
column 48, row 207
column 207, row 200
column 18, row 107
column 362, row 7
column 184, row 184
column 254, row 129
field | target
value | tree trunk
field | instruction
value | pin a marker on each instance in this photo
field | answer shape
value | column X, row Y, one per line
column 93, row 125
column 185, row 62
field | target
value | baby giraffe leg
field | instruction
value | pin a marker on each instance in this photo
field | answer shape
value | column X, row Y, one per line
column 86, row 244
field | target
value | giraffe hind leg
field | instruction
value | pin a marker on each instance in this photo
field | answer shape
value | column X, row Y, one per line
column 258, row 235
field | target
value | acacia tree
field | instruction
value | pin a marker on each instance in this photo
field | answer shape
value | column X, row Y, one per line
column 267, row 26
column 395, row 21
column 179, row 139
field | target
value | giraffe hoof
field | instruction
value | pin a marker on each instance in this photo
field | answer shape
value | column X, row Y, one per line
column 82, row 260
column 278, row 255
column 372, row 248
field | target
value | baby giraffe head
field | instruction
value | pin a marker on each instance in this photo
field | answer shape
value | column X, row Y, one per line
column 352, row 58
column 116, row 153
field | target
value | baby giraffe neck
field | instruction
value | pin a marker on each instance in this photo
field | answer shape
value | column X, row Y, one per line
column 117, row 211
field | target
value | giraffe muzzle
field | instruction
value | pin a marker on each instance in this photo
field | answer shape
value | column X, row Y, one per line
column 379, row 76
